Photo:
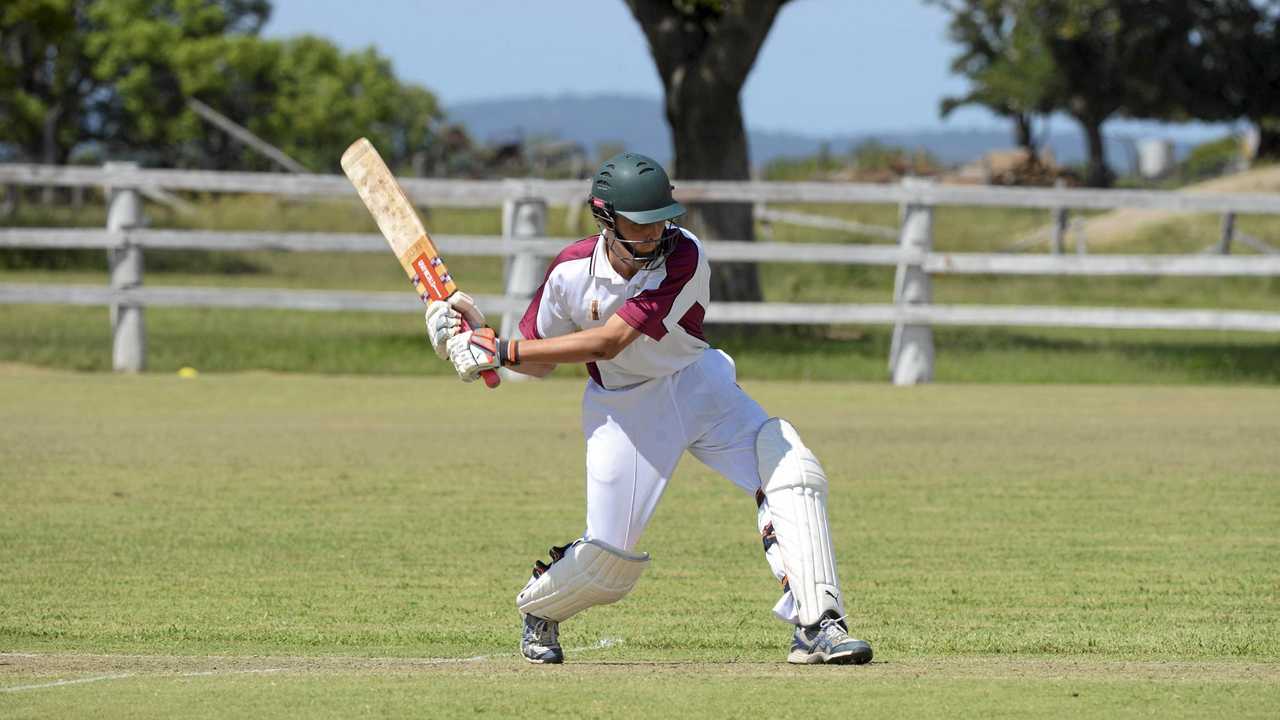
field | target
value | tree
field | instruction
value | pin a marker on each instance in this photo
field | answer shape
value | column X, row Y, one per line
column 324, row 99
column 117, row 75
column 1092, row 59
column 1113, row 57
column 1009, row 71
column 1234, row 55
column 46, row 77
column 71, row 70
column 703, row 50
column 146, row 52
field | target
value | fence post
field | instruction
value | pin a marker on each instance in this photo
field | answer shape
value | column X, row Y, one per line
column 129, row 332
column 1228, row 233
column 1060, row 220
column 522, row 218
column 9, row 201
column 758, row 215
column 911, row 350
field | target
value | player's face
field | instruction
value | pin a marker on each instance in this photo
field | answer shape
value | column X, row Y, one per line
column 643, row 238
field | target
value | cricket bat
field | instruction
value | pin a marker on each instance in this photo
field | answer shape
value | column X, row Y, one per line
column 402, row 228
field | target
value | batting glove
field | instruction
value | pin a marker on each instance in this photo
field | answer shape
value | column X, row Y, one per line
column 444, row 320
column 474, row 352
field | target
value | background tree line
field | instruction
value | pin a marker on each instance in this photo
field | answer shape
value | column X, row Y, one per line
column 87, row 79
column 1094, row 60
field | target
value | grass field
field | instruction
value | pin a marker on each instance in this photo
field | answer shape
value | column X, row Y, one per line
column 269, row 545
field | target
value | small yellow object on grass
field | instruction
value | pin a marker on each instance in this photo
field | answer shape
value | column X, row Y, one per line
column 187, row 372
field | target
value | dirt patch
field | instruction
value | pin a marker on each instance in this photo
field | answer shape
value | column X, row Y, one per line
column 1119, row 225
column 15, row 667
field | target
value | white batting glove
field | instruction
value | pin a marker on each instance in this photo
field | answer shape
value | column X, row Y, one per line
column 444, row 320
column 473, row 352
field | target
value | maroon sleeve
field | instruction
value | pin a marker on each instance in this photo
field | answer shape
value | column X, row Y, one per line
column 647, row 311
column 529, row 323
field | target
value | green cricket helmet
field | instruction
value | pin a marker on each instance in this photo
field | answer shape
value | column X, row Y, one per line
column 637, row 188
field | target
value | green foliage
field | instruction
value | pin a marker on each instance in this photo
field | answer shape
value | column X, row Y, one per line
column 868, row 160
column 46, row 77
column 1209, row 160
column 1237, row 42
column 1099, row 59
column 874, row 155
column 131, row 65
column 1008, row 68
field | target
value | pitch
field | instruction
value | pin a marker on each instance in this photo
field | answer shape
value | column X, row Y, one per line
column 265, row 543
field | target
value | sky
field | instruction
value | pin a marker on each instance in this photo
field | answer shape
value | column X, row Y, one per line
column 827, row 68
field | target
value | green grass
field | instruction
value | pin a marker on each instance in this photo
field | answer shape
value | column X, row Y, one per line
column 645, row 692
column 79, row 338
column 1017, row 550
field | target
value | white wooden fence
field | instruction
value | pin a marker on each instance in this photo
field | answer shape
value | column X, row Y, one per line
column 525, row 246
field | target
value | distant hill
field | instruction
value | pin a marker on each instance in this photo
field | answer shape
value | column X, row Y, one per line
column 639, row 124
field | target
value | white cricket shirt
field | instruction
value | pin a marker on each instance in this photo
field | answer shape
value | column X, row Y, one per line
column 666, row 304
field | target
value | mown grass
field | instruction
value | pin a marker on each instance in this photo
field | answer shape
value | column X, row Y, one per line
column 285, row 515
column 218, row 340
column 641, row 691
column 75, row 338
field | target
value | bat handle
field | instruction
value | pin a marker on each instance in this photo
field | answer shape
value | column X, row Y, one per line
column 491, row 378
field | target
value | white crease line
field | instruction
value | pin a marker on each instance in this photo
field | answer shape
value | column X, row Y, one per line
column 600, row 645
column 65, row 682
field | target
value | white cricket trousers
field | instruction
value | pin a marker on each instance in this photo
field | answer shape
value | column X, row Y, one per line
column 636, row 436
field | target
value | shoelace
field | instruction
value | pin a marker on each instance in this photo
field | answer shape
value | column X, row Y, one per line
column 827, row 621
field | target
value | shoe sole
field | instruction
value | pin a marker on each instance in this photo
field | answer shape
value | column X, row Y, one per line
column 542, row 661
column 554, row 661
column 860, row 656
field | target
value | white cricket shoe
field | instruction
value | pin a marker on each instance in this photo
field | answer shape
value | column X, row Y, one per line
column 540, row 642
column 828, row 642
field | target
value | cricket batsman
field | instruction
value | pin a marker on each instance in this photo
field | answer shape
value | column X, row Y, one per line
column 629, row 302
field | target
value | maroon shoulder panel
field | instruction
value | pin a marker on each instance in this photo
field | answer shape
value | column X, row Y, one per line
column 581, row 249
column 647, row 311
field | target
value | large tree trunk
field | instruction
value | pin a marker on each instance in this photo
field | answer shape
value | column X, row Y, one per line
column 49, row 149
column 1024, row 134
column 1097, row 174
column 711, row 144
column 703, row 55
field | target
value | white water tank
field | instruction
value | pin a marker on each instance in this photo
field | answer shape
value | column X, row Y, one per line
column 1155, row 158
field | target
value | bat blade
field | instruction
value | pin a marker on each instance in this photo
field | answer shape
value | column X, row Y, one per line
column 400, row 225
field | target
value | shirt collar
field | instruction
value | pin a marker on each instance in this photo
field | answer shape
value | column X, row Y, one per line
column 601, row 267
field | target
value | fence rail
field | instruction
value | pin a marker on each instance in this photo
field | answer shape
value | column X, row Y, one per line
column 525, row 244
column 739, row 313
column 937, row 263
column 473, row 193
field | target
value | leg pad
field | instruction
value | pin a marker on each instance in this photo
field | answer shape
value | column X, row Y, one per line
column 796, row 489
column 589, row 573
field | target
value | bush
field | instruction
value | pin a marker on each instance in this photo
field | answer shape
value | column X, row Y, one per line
column 1209, row 160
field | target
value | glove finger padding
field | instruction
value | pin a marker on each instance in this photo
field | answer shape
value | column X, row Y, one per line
column 443, row 323
column 474, row 352
column 466, row 305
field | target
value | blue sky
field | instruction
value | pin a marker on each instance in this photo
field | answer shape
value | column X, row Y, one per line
column 829, row 67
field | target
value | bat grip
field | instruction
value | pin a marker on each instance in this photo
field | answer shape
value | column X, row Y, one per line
column 491, row 377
